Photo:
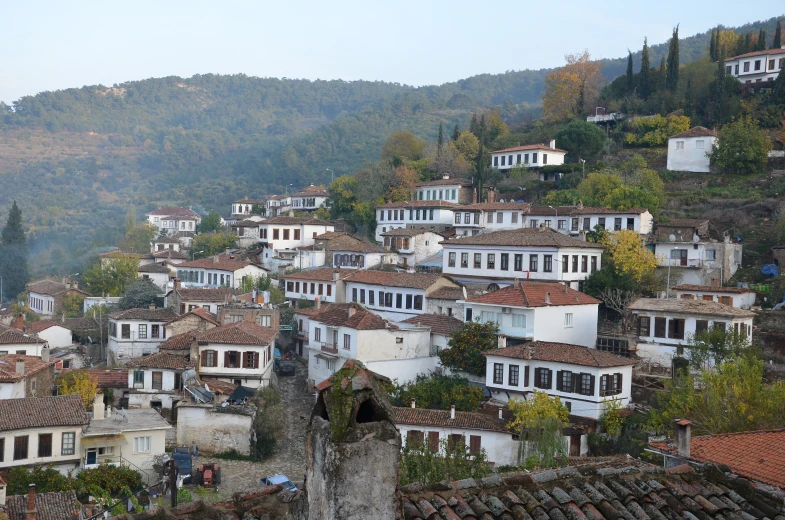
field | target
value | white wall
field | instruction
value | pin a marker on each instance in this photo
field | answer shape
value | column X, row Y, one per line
column 27, row 349
column 167, row 380
column 213, row 432
column 553, row 157
column 57, row 336
column 394, row 313
column 690, row 158
column 402, row 371
column 766, row 74
column 329, row 292
column 549, row 324
column 386, row 219
column 122, row 350
column 12, row 391
column 447, row 192
column 252, row 377
column 57, row 458
column 500, row 448
column 740, row 301
column 159, row 279
column 41, row 303
column 143, row 460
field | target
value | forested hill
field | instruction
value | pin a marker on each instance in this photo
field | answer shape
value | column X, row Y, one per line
column 76, row 159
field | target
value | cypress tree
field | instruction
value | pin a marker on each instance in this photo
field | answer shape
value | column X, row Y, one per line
column 777, row 43
column 688, row 100
column 645, row 86
column 747, row 42
column 13, row 254
column 761, row 40
column 713, row 45
column 480, row 165
column 630, row 75
column 778, row 90
column 456, row 133
column 440, row 141
column 672, row 80
column 662, row 75
column 473, row 127
column 719, row 100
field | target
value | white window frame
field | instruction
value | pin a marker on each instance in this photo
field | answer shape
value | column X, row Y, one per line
column 142, row 444
column 568, row 320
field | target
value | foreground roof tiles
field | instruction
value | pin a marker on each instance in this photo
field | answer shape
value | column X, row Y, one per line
column 535, row 294
column 11, row 336
column 42, row 412
column 542, row 237
column 562, row 353
column 393, row 279
column 59, row 505
column 32, row 365
column 178, row 342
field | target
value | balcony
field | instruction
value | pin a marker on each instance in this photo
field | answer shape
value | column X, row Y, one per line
column 302, row 334
column 694, row 263
column 92, row 461
column 330, row 348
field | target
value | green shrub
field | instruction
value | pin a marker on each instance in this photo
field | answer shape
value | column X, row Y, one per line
column 45, row 478
column 110, row 478
column 438, row 391
column 421, row 464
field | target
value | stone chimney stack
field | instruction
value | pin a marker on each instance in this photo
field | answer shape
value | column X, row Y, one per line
column 516, row 283
column 176, row 284
column 452, row 412
column 502, row 341
column 491, row 196
column 446, row 176
column 318, row 302
column 566, row 287
column 193, row 353
column 31, row 513
column 352, row 310
column 215, row 259
column 683, row 435
column 547, row 298
column 352, row 449
column 414, row 403
column 20, row 366
column 18, row 323
column 152, row 306
column 336, row 276
column 98, row 406
column 45, row 353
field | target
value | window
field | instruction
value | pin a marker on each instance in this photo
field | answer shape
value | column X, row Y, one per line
column 362, row 295
column 125, row 331
column 782, row 63
column 534, row 158
column 542, row 378
column 475, row 444
column 547, row 263
column 519, row 157
column 354, row 294
column 586, row 384
column 533, row 263
column 141, row 444
column 142, row 331
column 514, row 217
column 477, row 218
column 388, row 299
column 676, row 328
column 701, row 326
column 564, row 381
column 533, row 223
column 526, row 158
column 586, row 224
column 409, row 299
column 757, row 64
column 208, row 358
column 457, row 218
column 498, row 373
column 68, row 445
column 451, row 260
column 545, row 158
column 276, row 234
column 519, row 321
column 711, row 254
column 728, row 69
column 725, row 300
column 155, row 331
column 699, row 144
column 500, row 217
column 414, row 437
column 561, row 224
column 610, row 384
column 680, row 145
column 565, row 263
column 297, row 234
column 399, row 301
column 478, row 260
column 584, row 263
column 746, row 66
column 593, row 263
column 518, row 265
column 138, row 379
column 617, row 224
column 158, row 380
column 467, row 218
column 644, row 324
column 465, row 260
column 490, row 217
column 430, row 215
column 513, row 376
column 574, row 224
column 347, row 342
column 504, row 157
column 568, row 319
column 491, row 261
column 659, row 327
column 44, row 445
column 20, row 447
column 317, row 334
column 505, row 261
column 736, row 69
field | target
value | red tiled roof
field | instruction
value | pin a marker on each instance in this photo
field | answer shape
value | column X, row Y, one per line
column 406, row 232
column 41, row 325
column 562, row 353
column 162, row 360
column 696, row 131
column 441, row 419
column 526, row 237
column 159, row 314
column 530, row 147
column 439, row 323
column 42, row 412
column 455, row 181
column 420, row 204
column 709, row 288
column 311, row 311
column 338, row 315
column 55, row 505
column 757, row 53
column 453, row 293
column 240, row 333
column 534, row 294
column 312, row 191
column 590, row 210
column 178, row 342
column 171, row 254
column 217, row 294
column 11, row 336
column 153, row 268
column 757, row 455
column 393, row 279
column 496, row 206
column 550, row 211
column 681, row 306
column 246, row 200
column 33, row 365
column 330, row 235
column 219, row 264
column 174, row 212
column 108, row 378
column 199, row 313
column 322, row 274
column 48, row 287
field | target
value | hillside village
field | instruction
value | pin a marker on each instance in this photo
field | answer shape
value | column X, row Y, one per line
column 574, row 318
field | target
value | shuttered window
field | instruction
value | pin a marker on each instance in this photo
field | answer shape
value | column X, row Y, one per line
column 20, row 447
column 475, row 444
column 433, row 441
column 542, row 378
column 158, row 380
column 414, row 436
column 44, row 444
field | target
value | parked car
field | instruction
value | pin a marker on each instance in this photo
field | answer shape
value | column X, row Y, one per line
column 274, row 480
column 182, row 459
column 285, row 364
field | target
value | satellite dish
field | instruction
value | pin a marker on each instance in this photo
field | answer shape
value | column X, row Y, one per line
column 206, row 387
column 672, row 237
column 696, row 238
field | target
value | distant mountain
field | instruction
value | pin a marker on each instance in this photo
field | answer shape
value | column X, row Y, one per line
column 76, row 159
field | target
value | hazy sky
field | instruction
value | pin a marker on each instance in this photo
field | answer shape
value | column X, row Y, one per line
column 48, row 45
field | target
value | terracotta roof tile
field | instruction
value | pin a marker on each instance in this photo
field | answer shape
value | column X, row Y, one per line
column 159, row 314
column 198, row 312
column 41, row 325
column 311, row 311
column 439, row 323
column 153, row 268
column 246, row 200
column 454, row 181
column 11, row 336
column 178, row 342
column 441, row 419
column 542, row 237
column 535, row 294
column 312, row 191
column 80, row 324
column 420, row 204
column 757, row 455
column 321, row 274
column 163, row 360
column 42, row 412
column 174, row 212
column 356, row 246
column 709, row 288
column 593, row 210
column 351, row 315
column 32, row 365
column 108, row 378
column 175, row 255
column 406, row 232
column 757, row 53
column 57, row 505
column 678, row 305
column 217, row 294
column 453, row 293
column 696, row 131
column 48, row 287
column 240, row 333
column 393, row 279
column 525, row 147
column 562, row 353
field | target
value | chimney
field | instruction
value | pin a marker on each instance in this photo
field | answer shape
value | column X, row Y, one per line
column 414, row 403
column 502, row 341
column 527, row 354
column 152, row 306
column 336, row 276
column 108, row 412
column 683, row 434
column 547, row 298
column 227, row 250
column 553, row 144
column 446, row 176
column 20, row 366
column 31, row 513
column 474, row 196
column 176, row 285
column 452, row 412
column 352, row 310
column 318, row 302
column 516, row 283
column 566, row 287
column 501, row 416
column 215, row 259
column 98, row 406
column 45, row 353
column 491, row 196
column 19, row 322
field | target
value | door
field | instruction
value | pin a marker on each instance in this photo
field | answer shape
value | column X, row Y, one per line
column 92, row 456
column 335, row 339
column 682, row 257
column 575, row 445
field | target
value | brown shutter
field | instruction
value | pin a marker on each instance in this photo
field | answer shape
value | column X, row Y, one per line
column 559, row 380
column 537, row 381
column 619, row 389
column 204, row 358
column 255, row 360
column 526, row 375
column 550, row 379
column 433, row 441
column 591, row 386
column 226, row 359
column 475, row 443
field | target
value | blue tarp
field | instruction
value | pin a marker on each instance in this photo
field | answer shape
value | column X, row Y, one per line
column 770, row 270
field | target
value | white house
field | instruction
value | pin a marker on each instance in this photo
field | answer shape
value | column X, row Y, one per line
column 539, row 311
column 159, row 274
column 242, row 208
column 665, row 326
column 165, row 243
column 456, row 190
column 247, row 230
column 14, row 341
column 528, row 156
column 689, row 151
column 155, row 380
column 442, row 326
column 757, row 67
column 309, row 198
column 282, row 236
column 170, row 221
column 394, row 296
column 412, row 245
column 583, row 378
column 575, row 220
column 240, row 353
column 54, row 334
column 541, row 254
column 42, row 431
column 739, row 297
column 211, row 299
column 278, row 205
column 136, row 332
column 489, row 216
column 362, row 255
column 217, row 271
column 340, row 332
column 326, row 284
column 25, row 376
column 478, row 431
column 434, row 215
column 45, row 297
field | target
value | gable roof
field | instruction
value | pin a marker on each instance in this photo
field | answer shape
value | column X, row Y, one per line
column 42, row 412
column 41, row 325
column 181, row 341
column 163, row 360
column 246, row 200
column 206, row 294
column 50, row 287
column 696, row 131
column 407, row 232
column 530, row 147
column 709, row 288
column 356, row 246
column 497, row 206
column 678, row 305
column 535, row 294
column 526, row 237
column 106, row 378
column 452, row 181
column 757, row 455
column 351, row 315
column 441, row 419
column 11, row 336
column 200, row 313
column 321, row 274
column 33, row 365
column 562, row 353
column 393, row 279
column 757, row 53
column 240, row 333
column 55, row 505
column 312, row 191
column 159, row 314
column 216, row 263
column 174, row 212
column 439, row 323
column 419, row 204
column 153, row 268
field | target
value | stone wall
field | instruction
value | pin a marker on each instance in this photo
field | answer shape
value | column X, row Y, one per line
column 215, row 429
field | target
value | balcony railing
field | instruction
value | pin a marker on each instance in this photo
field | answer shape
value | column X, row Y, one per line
column 330, row 348
column 111, row 460
column 302, row 334
column 682, row 262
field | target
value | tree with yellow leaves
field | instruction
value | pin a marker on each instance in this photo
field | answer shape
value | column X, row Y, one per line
column 540, row 420
column 628, row 253
column 80, row 383
column 570, row 89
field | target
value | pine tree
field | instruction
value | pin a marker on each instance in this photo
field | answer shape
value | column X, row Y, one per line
column 456, row 133
column 645, row 86
column 713, row 45
column 630, row 75
column 777, row 43
column 672, row 80
column 13, row 254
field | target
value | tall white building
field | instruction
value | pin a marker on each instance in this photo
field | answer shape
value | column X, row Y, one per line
column 528, row 156
column 757, row 67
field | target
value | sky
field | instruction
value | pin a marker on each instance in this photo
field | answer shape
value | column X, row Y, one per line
column 50, row 45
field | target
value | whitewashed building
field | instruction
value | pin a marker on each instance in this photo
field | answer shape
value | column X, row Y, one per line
column 247, row 230
column 441, row 325
column 478, row 431
column 55, row 335
column 759, row 67
column 456, row 190
column 278, row 205
column 433, row 215
column 539, row 254
column 240, row 353
column 136, row 332
column 665, row 326
column 14, row 341
column 309, row 198
column 325, row 284
column 689, row 151
column 583, row 378
column 739, row 297
column 211, row 299
column 580, row 219
column 340, row 332
column 159, row 274
column 155, row 380
column 412, row 245
column 282, row 236
column 45, row 297
column 538, row 311
column 489, row 216
column 243, row 208
column 527, row 156
column 362, row 255
column 165, row 243
column 171, row 221
column 217, row 271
